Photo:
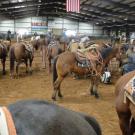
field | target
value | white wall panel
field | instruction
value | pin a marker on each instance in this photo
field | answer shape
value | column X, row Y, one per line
column 57, row 24
column 23, row 24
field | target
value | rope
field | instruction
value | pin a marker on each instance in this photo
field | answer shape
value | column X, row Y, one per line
column 94, row 57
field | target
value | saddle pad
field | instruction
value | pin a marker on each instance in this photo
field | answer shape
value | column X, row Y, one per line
column 130, row 86
column 129, row 89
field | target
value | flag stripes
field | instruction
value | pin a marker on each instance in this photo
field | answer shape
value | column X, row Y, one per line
column 73, row 6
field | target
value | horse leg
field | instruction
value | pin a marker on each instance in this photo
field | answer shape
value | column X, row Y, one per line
column 124, row 122
column 132, row 126
column 44, row 56
column 30, row 67
column 132, row 121
column 49, row 60
column 56, row 86
column 95, row 86
column 3, row 64
column 91, row 87
column 17, row 66
column 26, row 63
column 59, row 92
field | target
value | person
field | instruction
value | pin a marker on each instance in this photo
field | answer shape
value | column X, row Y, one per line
column 130, row 66
column 9, row 35
column 106, row 77
column 35, row 34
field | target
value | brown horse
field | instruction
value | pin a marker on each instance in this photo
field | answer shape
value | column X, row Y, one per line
column 54, row 49
column 21, row 52
column 3, row 55
column 125, row 111
column 66, row 63
column 41, row 43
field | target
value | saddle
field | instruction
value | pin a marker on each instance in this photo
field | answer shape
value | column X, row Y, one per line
column 90, row 57
column 29, row 49
column 81, row 59
column 130, row 91
column 84, row 53
column 52, row 43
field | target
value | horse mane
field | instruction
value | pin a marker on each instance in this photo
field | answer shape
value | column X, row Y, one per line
column 106, row 51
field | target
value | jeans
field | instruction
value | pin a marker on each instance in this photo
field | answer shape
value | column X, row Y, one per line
column 128, row 67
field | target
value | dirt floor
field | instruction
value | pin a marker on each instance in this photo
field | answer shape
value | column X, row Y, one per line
column 76, row 97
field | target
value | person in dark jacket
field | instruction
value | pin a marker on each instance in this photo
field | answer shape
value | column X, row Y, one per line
column 9, row 35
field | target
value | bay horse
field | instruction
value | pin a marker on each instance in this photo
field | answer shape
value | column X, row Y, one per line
column 37, row 117
column 41, row 43
column 3, row 55
column 125, row 111
column 54, row 48
column 21, row 52
column 66, row 63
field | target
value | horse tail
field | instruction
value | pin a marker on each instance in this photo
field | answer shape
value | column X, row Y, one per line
column 94, row 123
column 12, row 58
column 55, row 75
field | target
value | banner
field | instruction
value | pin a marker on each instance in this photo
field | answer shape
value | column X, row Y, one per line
column 39, row 24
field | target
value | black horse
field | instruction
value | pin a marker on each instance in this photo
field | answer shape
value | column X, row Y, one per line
column 3, row 55
column 43, row 118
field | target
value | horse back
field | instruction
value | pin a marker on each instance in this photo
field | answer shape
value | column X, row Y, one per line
column 123, row 81
column 19, row 50
column 41, row 117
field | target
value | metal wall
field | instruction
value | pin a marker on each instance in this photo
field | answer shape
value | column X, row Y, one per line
column 55, row 24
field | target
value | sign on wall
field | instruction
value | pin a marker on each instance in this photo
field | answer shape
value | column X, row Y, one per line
column 39, row 25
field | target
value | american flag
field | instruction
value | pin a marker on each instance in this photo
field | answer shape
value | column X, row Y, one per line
column 73, row 6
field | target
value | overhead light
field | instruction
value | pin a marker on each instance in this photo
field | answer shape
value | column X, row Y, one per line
column 20, row 0
column 97, row 22
column 39, row 0
column 125, row 19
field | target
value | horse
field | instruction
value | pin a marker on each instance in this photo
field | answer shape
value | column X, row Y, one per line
column 6, row 43
column 54, row 48
column 21, row 52
column 3, row 55
column 67, row 62
column 37, row 117
column 125, row 111
column 41, row 43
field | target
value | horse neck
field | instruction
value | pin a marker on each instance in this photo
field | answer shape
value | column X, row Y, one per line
column 110, row 56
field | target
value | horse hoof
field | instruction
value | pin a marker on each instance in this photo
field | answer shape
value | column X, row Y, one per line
column 54, row 98
column 92, row 93
column 30, row 72
column 27, row 72
column 60, row 96
column 96, row 95
column 4, row 73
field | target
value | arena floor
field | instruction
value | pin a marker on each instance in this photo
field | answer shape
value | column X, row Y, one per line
column 39, row 86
